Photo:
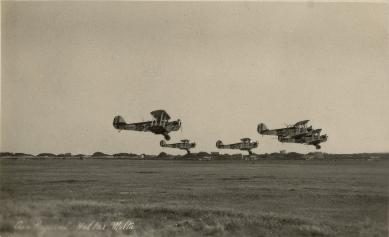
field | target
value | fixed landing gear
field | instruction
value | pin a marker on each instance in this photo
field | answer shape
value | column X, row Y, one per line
column 167, row 137
column 317, row 147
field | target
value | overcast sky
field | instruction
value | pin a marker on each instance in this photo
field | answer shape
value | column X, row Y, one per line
column 69, row 67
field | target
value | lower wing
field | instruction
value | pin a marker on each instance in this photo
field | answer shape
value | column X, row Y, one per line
column 144, row 126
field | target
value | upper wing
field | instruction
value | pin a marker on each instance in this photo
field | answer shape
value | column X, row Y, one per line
column 245, row 139
column 301, row 123
column 160, row 115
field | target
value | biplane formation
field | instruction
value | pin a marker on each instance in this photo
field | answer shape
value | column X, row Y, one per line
column 296, row 133
column 299, row 133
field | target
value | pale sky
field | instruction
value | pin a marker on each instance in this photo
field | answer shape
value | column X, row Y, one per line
column 69, row 67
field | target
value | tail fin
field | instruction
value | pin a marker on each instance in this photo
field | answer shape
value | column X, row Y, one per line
column 262, row 128
column 118, row 121
column 219, row 144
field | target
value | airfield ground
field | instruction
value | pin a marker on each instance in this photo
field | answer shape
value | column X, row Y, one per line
column 193, row 198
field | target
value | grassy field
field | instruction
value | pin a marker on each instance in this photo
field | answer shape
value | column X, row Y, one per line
column 193, row 198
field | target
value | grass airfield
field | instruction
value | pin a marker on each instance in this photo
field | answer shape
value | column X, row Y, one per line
column 194, row 198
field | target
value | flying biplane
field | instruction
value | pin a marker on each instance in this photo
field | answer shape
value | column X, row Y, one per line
column 159, row 125
column 297, row 133
column 183, row 145
column 244, row 145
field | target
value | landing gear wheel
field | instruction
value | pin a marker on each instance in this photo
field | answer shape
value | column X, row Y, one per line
column 317, row 147
column 167, row 137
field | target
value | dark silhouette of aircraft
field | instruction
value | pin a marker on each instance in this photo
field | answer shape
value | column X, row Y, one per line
column 245, row 145
column 159, row 125
column 183, row 145
column 297, row 133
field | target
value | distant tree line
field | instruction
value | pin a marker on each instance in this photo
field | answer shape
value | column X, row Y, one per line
column 204, row 156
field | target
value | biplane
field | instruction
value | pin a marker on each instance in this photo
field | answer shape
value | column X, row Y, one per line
column 183, row 145
column 159, row 125
column 244, row 145
column 296, row 133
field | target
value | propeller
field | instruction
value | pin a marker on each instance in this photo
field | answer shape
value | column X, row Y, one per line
column 180, row 124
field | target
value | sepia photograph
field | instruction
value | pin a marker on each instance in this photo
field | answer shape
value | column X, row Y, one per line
column 194, row 118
